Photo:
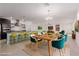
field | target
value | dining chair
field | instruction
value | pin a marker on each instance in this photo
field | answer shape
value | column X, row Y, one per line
column 35, row 41
column 62, row 32
column 66, row 37
column 59, row 44
column 19, row 37
column 25, row 36
column 28, row 35
column 13, row 38
column 50, row 32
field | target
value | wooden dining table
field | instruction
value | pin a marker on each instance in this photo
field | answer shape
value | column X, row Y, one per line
column 49, row 38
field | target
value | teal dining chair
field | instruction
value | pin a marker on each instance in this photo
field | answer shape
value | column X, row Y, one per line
column 65, row 37
column 35, row 41
column 59, row 44
column 19, row 37
column 62, row 32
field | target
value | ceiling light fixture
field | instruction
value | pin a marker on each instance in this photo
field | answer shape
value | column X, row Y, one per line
column 49, row 17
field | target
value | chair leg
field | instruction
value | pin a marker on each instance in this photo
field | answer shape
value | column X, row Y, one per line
column 40, row 43
column 61, row 52
column 31, row 45
column 52, row 51
column 37, row 44
column 34, row 46
column 64, row 48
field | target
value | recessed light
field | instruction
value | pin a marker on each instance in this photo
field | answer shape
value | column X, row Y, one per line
column 49, row 18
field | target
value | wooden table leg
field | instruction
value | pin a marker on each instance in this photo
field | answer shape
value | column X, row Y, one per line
column 49, row 47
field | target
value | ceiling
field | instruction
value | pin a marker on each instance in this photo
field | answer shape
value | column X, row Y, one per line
column 37, row 12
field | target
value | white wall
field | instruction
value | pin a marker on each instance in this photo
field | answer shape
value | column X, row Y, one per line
column 65, row 24
column 30, row 26
column 67, row 27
